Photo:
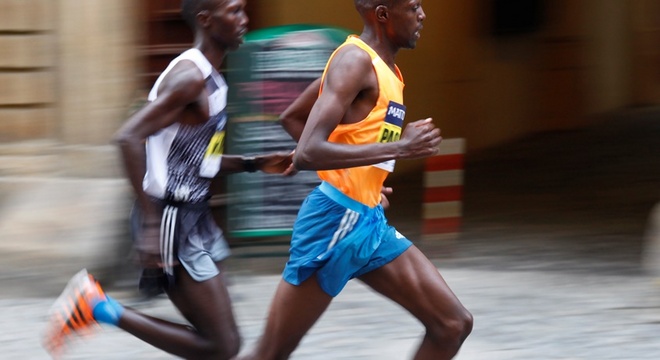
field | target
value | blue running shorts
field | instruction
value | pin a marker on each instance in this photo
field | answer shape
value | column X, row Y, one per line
column 339, row 238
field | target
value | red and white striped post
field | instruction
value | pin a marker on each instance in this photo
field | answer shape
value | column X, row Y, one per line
column 443, row 192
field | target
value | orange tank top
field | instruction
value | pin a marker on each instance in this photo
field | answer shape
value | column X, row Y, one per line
column 383, row 124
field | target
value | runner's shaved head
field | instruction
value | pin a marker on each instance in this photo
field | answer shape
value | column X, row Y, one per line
column 370, row 4
column 190, row 9
column 365, row 6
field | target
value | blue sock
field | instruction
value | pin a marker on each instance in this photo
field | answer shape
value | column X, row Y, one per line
column 108, row 311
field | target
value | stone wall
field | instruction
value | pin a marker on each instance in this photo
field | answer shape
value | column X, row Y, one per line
column 67, row 79
column 28, row 58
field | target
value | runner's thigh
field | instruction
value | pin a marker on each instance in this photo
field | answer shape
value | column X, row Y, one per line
column 206, row 305
column 414, row 282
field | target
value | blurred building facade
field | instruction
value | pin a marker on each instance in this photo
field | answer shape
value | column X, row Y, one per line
column 70, row 71
column 579, row 58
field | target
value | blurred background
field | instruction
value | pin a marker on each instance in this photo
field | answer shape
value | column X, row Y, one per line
column 550, row 112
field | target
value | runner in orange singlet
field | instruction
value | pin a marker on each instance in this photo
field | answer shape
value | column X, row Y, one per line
column 352, row 135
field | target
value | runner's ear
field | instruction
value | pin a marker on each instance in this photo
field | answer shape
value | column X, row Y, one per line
column 381, row 12
column 203, row 18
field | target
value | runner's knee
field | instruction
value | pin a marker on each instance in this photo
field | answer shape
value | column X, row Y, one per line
column 224, row 347
column 451, row 330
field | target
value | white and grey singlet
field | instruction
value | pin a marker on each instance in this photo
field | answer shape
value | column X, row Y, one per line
column 182, row 159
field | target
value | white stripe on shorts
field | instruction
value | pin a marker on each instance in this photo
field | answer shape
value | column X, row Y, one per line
column 167, row 233
column 345, row 226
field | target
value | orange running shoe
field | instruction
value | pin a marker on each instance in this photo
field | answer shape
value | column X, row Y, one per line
column 72, row 313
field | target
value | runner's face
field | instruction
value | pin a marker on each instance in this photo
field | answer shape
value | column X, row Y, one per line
column 229, row 22
column 407, row 18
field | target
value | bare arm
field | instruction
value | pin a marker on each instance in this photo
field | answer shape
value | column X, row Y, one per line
column 351, row 74
column 180, row 88
column 295, row 116
column 272, row 163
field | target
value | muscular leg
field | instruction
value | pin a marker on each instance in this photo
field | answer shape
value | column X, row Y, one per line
column 292, row 313
column 413, row 281
column 207, row 306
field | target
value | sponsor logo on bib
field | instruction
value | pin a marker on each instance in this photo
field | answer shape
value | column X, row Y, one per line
column 391, row 130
